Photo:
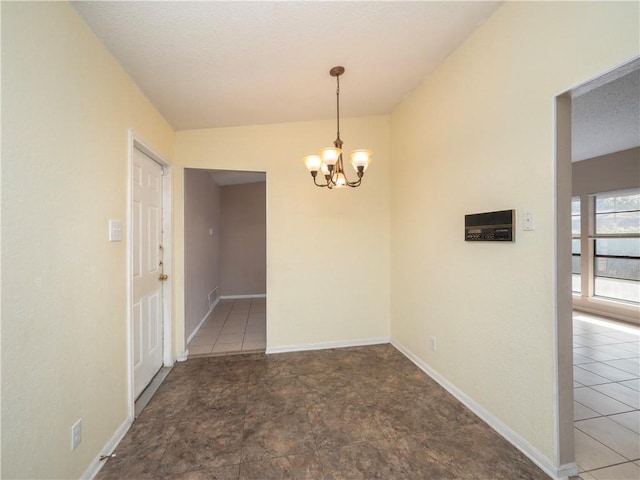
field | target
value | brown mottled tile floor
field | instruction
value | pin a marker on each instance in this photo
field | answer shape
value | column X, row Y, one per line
column 350, row 413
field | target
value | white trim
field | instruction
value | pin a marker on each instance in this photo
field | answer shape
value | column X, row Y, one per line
column 136, row 142
column 601, row 78
column 108, row 449
column 326, row 345
column 607, row 308
column 557, row 373
column 204, row 319
column 216, row 294
column 545, row 463
column 233, row 297
column 564, row 472
column 167, row 259
column 555, row 294
column 563, row 437
column 182, row 357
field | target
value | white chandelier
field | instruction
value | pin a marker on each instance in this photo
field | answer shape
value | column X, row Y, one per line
column 329, row 160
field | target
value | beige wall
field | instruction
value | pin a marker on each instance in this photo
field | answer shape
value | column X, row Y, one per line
column 321, row 245
column 202, row 249
column 616, row 171
column 243, row 262
column 66, row 109
column 478, row 135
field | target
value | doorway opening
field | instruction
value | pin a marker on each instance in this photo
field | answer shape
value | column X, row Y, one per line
column 225, row 261
column 596, row 142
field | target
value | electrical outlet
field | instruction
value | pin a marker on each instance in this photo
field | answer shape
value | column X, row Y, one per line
column 76, row 434
column 434, row 344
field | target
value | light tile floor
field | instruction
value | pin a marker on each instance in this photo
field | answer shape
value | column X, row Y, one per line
column 606, row 373
column 234, row 326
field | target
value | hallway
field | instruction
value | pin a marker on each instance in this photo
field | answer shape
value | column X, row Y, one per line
column 607, row 398
column 234, row 326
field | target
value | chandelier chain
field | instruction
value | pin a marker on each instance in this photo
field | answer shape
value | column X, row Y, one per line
column 338, row 110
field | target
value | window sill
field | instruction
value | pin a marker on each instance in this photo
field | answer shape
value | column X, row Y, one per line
column 611, row 308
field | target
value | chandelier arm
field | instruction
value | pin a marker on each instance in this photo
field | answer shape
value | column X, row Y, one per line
column 341, row 169
column 330, row 179
column 315, row 182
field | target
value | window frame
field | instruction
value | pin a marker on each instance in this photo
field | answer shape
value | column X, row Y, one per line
column 595, row 236
column 576, row 277
column 586, row 299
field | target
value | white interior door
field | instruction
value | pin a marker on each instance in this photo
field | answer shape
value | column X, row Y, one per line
column 146, row 270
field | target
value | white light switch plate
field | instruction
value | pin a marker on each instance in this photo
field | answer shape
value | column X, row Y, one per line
column 115, row 230
column 527, row 221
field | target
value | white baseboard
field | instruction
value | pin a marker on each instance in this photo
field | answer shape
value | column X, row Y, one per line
column 234, row 297
column 108, row 449
column 561, row 472
column 182, row 357
column 213, row 293
column 326, row 345
column 566, row 471
column 609, row 309
column 204, row 319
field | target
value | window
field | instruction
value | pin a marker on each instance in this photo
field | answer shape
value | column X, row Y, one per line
column 575, row 245
column 616, row 267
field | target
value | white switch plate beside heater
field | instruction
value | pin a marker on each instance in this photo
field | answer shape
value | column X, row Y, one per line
column 115, row 230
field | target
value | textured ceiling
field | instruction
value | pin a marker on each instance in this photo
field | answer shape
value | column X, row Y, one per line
column 227, row 63
column 606, row 119
column 212, row 64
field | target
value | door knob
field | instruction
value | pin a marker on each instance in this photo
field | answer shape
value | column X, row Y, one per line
column 163, row 277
